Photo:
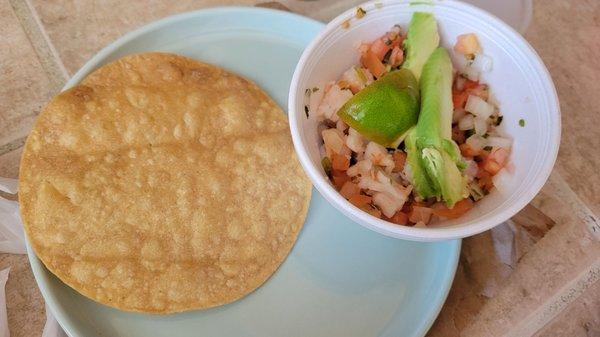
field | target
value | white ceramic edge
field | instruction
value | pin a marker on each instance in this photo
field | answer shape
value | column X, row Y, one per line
column 92, row 63
column 406, row 232
column 444, row 295
column 41, row 279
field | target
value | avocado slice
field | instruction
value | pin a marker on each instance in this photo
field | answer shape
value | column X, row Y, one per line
column 421, row 40
column 386, row 109
column 421, row 182
column 434, row 153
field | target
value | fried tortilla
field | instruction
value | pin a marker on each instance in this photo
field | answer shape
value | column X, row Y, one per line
column 161, row 184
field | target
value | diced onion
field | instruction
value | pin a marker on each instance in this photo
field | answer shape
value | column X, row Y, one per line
column 362, row 167
column 471, row 73
column 384, row 183
column 482, row 63
column 322, row 152
column 481, row 126
column 476, row 142
column 376, row 153
column 466, row 123
column 333, row 100
column 357, row 78
column 341, row 126
column 499, row 142
column 355, row 141
column 387, row 204
column 479, row 107
column 334, row 142
column 471, row 169
column 502, row 180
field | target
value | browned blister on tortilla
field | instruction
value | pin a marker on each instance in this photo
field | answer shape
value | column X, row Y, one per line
column 161, row 184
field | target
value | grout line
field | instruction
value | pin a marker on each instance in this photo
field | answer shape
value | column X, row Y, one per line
column 535, row 321
column 14, row 145
column 45, row 52
column 575, row 288
column 582, row 211
column 49, row 43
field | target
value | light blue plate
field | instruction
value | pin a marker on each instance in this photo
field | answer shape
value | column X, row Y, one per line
column 339, row 280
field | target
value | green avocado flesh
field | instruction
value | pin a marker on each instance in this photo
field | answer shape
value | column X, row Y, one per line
column 434, row 154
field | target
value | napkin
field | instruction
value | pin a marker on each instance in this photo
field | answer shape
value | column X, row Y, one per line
column 12, row 241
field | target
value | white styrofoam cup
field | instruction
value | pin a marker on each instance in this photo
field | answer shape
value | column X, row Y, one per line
column 518, row 81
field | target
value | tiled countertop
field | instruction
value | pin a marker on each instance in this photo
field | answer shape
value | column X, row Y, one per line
column 548, row 288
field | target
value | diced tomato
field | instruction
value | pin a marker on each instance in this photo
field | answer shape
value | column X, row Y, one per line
column 379, row 48
column 370, row 61
column 339, row 178
column 470, row 84
column 399, row 160
column 397, row 42
column 480, row 158
column 486, row 183
column 491, row 166
column 399, row 218
column 459, row 98
column 339, row 162
column 481, row 173
column 458, row 135
column 496, row 160
column 481, row 91
column 466, row 44
column 349, row 189
column 467, row 151
column 418, row 213
column 485, row 179
column 499, row 155
column 360, row 200
column 458, row 210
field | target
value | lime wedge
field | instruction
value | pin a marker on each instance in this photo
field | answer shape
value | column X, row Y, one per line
column 386, row 109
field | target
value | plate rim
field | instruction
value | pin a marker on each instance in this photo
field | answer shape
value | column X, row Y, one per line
column 40, row 272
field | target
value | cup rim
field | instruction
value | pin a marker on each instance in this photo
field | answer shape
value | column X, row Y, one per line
column 428, row 233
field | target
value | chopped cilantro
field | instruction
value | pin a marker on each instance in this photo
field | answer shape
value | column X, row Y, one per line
column 326, row 162
column 360, row 12
column 521, row 122
column 499, row 120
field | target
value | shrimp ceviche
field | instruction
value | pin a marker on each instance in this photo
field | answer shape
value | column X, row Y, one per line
column 406, row 137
